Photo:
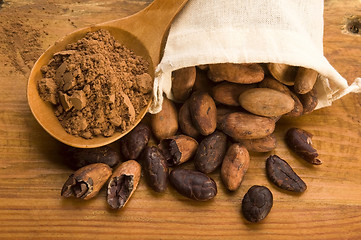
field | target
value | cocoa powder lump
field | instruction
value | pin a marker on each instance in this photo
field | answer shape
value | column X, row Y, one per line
column 97, row 86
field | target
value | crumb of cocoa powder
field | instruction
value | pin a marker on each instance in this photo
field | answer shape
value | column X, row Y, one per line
column 93, row 86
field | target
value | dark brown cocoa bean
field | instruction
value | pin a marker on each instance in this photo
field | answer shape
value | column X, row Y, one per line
column 193, row 184
column 309, row 101
column 87, row 181
column 300, row 141
column 203, row 112
column 132, row 144
column 79, row 157
column 185, row 121
column 257, row 203
column 178, row 149
column 182, row 83
column 210, row 152
column 283, row 176
column 155, row 168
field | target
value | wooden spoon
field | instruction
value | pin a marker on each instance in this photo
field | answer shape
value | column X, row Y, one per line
column 142, row 32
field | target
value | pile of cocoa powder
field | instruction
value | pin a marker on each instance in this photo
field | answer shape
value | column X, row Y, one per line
column 96, row 85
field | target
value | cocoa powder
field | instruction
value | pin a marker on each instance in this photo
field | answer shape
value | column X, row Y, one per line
column 97, row 86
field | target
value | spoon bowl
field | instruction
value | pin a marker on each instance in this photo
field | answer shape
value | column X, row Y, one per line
column 143, row 33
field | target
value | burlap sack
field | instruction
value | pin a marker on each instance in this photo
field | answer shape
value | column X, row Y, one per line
column 250, row 31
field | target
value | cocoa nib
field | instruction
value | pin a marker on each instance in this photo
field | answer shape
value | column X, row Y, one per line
column 283, row 176
column 257, row 203
column 119, row 190
column 300, row 142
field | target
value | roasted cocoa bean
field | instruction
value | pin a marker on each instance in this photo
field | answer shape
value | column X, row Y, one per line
column 203, row 112
column 300, row 141
column 272, row 83
column 132, row 144
column 240, row 125
column 185, row 121
column 284, row 73
column 228, row 93
column 193, row 184
column 86, row 182
column 265, row 144
column 123, row 183
column 165, row 123
column 283, row 176
column 178, row 149
column 266, row 102
column 305, row 80
column 155, row 168
column 210, row 152
column 257, row 203
column 309, row 101
column 234, row 166
column 202, row 83
column 81, row 157
column 236, row 73
column 182, row 83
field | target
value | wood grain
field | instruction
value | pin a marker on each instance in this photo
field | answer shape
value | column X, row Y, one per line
column 32, row 172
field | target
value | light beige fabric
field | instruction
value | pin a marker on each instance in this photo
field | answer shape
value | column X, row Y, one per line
column 248, row 31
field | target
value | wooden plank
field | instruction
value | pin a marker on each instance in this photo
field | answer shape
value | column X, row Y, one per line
column 32, row 172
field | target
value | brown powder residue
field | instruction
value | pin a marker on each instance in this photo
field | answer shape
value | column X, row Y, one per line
column 97, row 86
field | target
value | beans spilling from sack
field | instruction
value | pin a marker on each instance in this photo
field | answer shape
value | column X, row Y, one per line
column 220, row 113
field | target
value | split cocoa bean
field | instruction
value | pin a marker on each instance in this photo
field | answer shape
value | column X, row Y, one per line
column 257, row 203
column 234, row 166
column 123, row 184
column 155, row 168
column 210, row 152
column 87, row 181
column 240, row 125
column 132, row 144
column 203, row 112
column 300, row 141
column 193, row 184
column 182, row 83
column 81, row 157
column 283, row 176
column 178, row 149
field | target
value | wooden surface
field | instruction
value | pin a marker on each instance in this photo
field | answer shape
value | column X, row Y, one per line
column 32, row 172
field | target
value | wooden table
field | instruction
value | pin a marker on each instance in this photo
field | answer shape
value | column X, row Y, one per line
column 32, row 172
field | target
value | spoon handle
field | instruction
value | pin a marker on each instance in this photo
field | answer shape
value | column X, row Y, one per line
column 151, row 24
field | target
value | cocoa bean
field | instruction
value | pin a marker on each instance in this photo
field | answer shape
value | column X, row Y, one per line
column 178, row 149
column 155, row 168
column 210, row 152
column 165, row 123
column 228, row 93
column 236, row 73
column 284, row 73
column 240, row 125
column 203, row 112
column 305, row 80
column 309, row 101
column 266, row 102
column 132, row 144
column 283, row 176
column 193, row 184
column 265, row 144
column 202, row 83
column 182, row 83
column 234, row 166
column 300, row 141
column 257, row 203
column 185, row 121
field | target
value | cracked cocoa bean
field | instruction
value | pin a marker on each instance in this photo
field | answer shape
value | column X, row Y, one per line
column 123, row 184
column 178, row 149
column 210, row 152
column 193, row 184
column 86, row 182
column 283, row 176
column 132, row 144
column 234, row 167
column 257, row 203
column 300, row 141
column 155, row 168
column 80, row 157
